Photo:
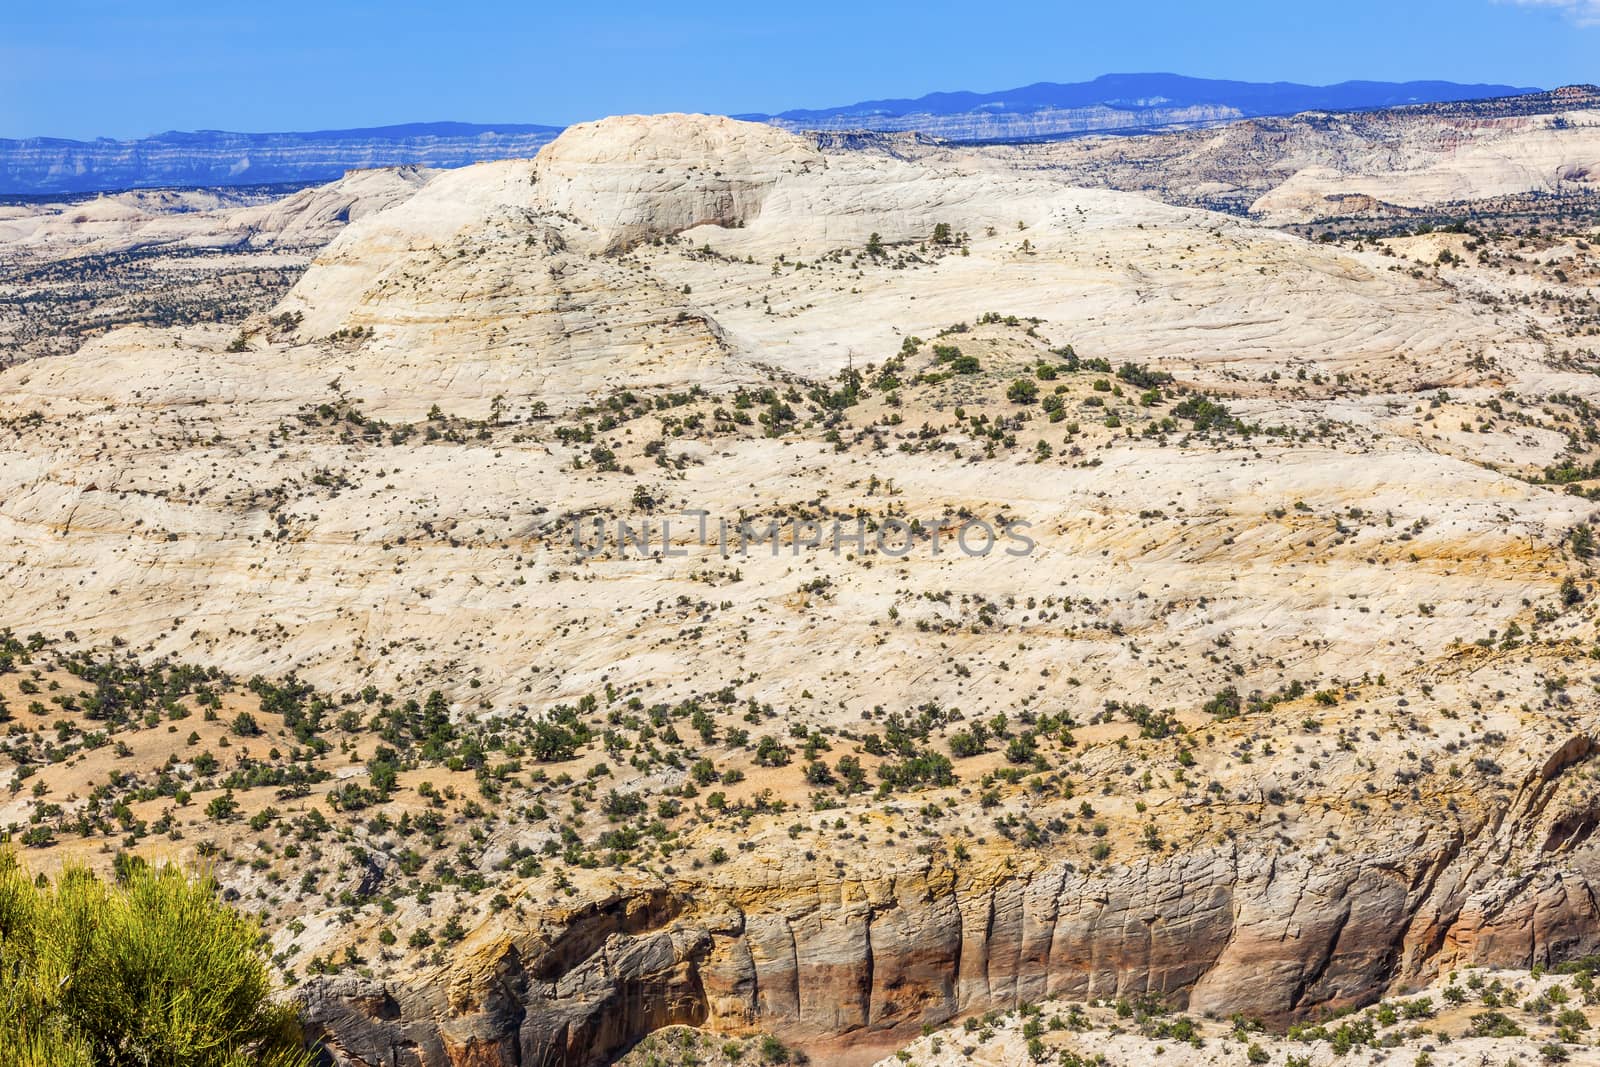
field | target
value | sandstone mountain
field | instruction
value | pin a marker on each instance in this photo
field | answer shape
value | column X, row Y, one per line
column 1290, row 707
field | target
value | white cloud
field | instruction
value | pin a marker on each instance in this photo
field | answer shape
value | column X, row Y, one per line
column 1583, row 12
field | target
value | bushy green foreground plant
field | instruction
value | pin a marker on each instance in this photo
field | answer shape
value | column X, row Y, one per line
column 152, row 970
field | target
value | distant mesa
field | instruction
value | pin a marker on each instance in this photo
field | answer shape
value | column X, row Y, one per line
column 1119, row 102
column 1115, row 103
column 47, row 165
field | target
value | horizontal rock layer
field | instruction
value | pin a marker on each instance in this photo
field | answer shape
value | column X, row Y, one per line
column 851, row 964
column 215, row 157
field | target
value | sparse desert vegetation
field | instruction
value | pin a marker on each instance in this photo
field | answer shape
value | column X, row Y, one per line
column 1259, row 730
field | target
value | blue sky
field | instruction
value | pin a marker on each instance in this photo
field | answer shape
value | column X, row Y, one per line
column 73, row 68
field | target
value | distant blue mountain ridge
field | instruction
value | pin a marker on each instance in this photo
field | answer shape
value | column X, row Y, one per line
column 1109, row 104
column 42, row 165
column 1136, row 93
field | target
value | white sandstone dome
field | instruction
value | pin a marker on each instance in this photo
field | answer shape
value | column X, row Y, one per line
column 633, row 177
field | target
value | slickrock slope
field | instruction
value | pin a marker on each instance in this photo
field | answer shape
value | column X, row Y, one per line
column 464, row 275
column 1322, row 163
column 1544, row 154
column 78, row 268
column 202, row 218
column 1290, row 706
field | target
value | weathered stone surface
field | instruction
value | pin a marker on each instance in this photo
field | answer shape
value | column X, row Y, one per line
column 862, row 963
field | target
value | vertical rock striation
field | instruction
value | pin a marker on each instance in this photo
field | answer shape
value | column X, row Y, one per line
column 847, row 965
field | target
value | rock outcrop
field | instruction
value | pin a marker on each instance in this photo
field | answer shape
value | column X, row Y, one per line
column 642, row 176
column 849, row 964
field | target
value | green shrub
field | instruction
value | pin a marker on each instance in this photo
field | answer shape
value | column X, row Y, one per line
column 773, row 1050
column 1022, row 391
column 1494, row 1024
column 153, row 970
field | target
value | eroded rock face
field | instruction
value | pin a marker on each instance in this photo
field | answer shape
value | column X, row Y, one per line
column 849, row 964
column 640, row 176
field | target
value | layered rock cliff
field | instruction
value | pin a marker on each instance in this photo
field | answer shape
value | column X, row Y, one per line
column 1115, row 102
column 848, row 960
column 216, row 157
